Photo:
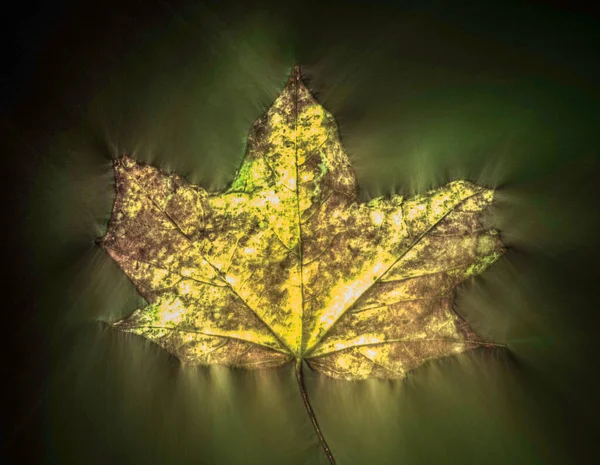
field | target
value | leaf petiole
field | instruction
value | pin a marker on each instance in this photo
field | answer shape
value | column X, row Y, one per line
column 311, row 413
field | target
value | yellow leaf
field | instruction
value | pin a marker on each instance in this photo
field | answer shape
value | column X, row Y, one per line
column 287, row 265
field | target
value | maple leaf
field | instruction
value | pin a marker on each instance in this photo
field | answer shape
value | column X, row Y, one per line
column 287, row 265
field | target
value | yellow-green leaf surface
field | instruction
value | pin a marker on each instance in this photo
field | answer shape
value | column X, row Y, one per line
column 287, row 264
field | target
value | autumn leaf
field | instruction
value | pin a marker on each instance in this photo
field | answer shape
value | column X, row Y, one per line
column 286, row 265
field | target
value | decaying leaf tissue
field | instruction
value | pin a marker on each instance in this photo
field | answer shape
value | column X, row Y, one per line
column 287, row 265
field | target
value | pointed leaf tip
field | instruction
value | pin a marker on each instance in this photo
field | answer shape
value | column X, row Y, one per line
column 123, row 161
column 295, row 74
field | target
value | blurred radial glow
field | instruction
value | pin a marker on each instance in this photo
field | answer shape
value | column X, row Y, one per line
column 423, row 97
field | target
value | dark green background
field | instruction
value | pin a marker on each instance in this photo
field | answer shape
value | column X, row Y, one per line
column 505, row 95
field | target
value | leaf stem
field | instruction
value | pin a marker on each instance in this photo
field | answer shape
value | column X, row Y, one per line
column 310, row 411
